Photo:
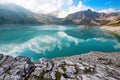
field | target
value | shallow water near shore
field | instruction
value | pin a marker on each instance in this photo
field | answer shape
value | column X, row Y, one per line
column 55, row 41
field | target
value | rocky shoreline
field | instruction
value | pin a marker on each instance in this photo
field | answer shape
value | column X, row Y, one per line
column 90, row 66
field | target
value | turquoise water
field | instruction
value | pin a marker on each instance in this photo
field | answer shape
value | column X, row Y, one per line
column 55, row 41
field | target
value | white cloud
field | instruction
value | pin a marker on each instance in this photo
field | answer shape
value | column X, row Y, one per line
column 59, row 8
column 39, row 44
column 108, row 10
column 73, row 9
column 42, row 43
column 117, row 46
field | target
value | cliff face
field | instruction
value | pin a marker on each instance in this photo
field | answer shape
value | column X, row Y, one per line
column 89, row 17
column 91, row 66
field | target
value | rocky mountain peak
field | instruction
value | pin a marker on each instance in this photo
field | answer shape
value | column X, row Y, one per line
column 89, row 17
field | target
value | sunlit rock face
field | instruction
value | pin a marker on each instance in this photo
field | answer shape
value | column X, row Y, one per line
column 91, row 66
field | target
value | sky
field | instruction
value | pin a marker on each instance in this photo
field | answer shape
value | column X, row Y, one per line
column 61, row 8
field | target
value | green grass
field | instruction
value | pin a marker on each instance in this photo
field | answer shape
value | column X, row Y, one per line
column 63, row 67
column 41, row 77
column 87, row 70
column 58, row 75
column 115, row 24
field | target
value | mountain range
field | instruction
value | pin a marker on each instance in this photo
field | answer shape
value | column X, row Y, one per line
column 14, row 14
column 89, row 17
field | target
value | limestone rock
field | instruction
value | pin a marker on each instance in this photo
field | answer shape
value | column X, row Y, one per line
column 91, row 66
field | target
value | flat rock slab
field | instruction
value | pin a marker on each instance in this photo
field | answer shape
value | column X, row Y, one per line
column 90, row 66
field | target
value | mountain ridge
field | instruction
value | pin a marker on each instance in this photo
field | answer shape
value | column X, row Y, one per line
column 14, row 14
column 89, row 17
